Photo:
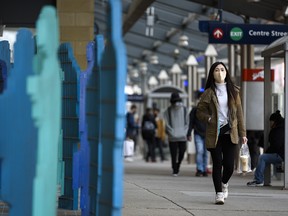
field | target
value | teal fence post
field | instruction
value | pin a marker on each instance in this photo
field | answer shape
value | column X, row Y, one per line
column 44, row 87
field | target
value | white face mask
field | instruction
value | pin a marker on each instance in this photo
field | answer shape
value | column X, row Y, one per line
column 219, row 74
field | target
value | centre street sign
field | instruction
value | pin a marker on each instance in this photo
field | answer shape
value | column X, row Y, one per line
column 242, row 33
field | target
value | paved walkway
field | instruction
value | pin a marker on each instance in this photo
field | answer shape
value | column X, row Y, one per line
column 151, row 190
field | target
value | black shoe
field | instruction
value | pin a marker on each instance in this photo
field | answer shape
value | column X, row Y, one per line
column 205, row 174
column 254, row 183
column 199, row 173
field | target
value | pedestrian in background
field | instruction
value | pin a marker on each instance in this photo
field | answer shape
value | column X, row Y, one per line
column 220, row 108
column 160, row 133
column 148, row 128
column 132, row 125
column 275, row 152
column 199, row 129
column 176, row 126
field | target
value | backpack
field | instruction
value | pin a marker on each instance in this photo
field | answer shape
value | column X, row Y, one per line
column 148, row 125
column 169, row 115
column 148, row 130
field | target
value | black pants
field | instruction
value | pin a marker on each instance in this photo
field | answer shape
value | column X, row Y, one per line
column 159, row 145
column 222, row 156
column 151, row 149
column 177, row 151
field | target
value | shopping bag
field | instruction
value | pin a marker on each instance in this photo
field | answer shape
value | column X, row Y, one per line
column 128, row 148
column 245, row 160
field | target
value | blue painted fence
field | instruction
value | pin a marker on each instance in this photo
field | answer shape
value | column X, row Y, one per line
column 81, row 160
column 18, row 140
column 93, row 113
column 70, row 122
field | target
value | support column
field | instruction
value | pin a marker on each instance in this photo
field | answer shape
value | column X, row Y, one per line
column 267, row 112
column 76, row 23
column 210, row 57
column 231, row 60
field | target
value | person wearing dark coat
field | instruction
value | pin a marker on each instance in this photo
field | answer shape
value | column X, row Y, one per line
column 199, row 128
column 275, row 152
column 149, row 127
column 131, row 125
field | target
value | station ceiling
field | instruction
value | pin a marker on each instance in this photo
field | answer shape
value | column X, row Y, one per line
column 173, row 19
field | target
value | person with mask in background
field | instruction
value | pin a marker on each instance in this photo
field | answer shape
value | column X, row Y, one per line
column 220, row 108
column 176, row 126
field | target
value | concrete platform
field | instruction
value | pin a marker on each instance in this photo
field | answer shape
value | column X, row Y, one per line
column 151, row 190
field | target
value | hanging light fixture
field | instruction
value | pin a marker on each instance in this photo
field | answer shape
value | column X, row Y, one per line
column 150, row 21
column 154, row 59
column 176, row 69
column 163, row 75
column 153, row 81
column 210, row 51
column 183, row 41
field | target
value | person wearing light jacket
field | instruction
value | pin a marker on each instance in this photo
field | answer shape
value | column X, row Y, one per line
column 220, row 108
column 176, row 126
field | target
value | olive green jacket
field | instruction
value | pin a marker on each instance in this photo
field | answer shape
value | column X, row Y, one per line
column 208, row 107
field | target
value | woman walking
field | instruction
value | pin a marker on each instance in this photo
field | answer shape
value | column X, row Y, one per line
column 220, row 107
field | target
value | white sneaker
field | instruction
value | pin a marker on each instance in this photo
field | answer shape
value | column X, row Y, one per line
column 225, row 190
column 129, row 159
column 219, row 199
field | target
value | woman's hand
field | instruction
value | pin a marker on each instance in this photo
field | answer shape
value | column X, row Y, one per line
column 244, row 140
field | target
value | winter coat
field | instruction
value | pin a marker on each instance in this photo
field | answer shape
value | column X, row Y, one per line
column 176, row 122
column 131, row 126
column 148, row 133
column 194, row 123
column 276, row 139
column 208, row 107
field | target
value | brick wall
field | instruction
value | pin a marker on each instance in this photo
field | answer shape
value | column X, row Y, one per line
column 76, row 20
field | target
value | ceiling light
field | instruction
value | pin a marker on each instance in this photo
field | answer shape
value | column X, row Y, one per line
column 176, row 69
column 153, row 81
column 163, row 75
column 191, row 61
column 250, row 1
column 183, row 41
column 286, row 12
column 135, row 73
column 154, row 59
column 210, row 51
column 143, row 67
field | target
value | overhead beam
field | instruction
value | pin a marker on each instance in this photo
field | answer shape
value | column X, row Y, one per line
column 242, row 7
column 136, row 10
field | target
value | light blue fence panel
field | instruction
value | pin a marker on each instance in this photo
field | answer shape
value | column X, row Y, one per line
column 44, row 88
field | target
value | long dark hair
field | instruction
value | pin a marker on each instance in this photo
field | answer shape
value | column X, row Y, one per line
column 231, row 88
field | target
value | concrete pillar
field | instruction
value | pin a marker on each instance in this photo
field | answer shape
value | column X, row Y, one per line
column 231, row 60
column 76, row 23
